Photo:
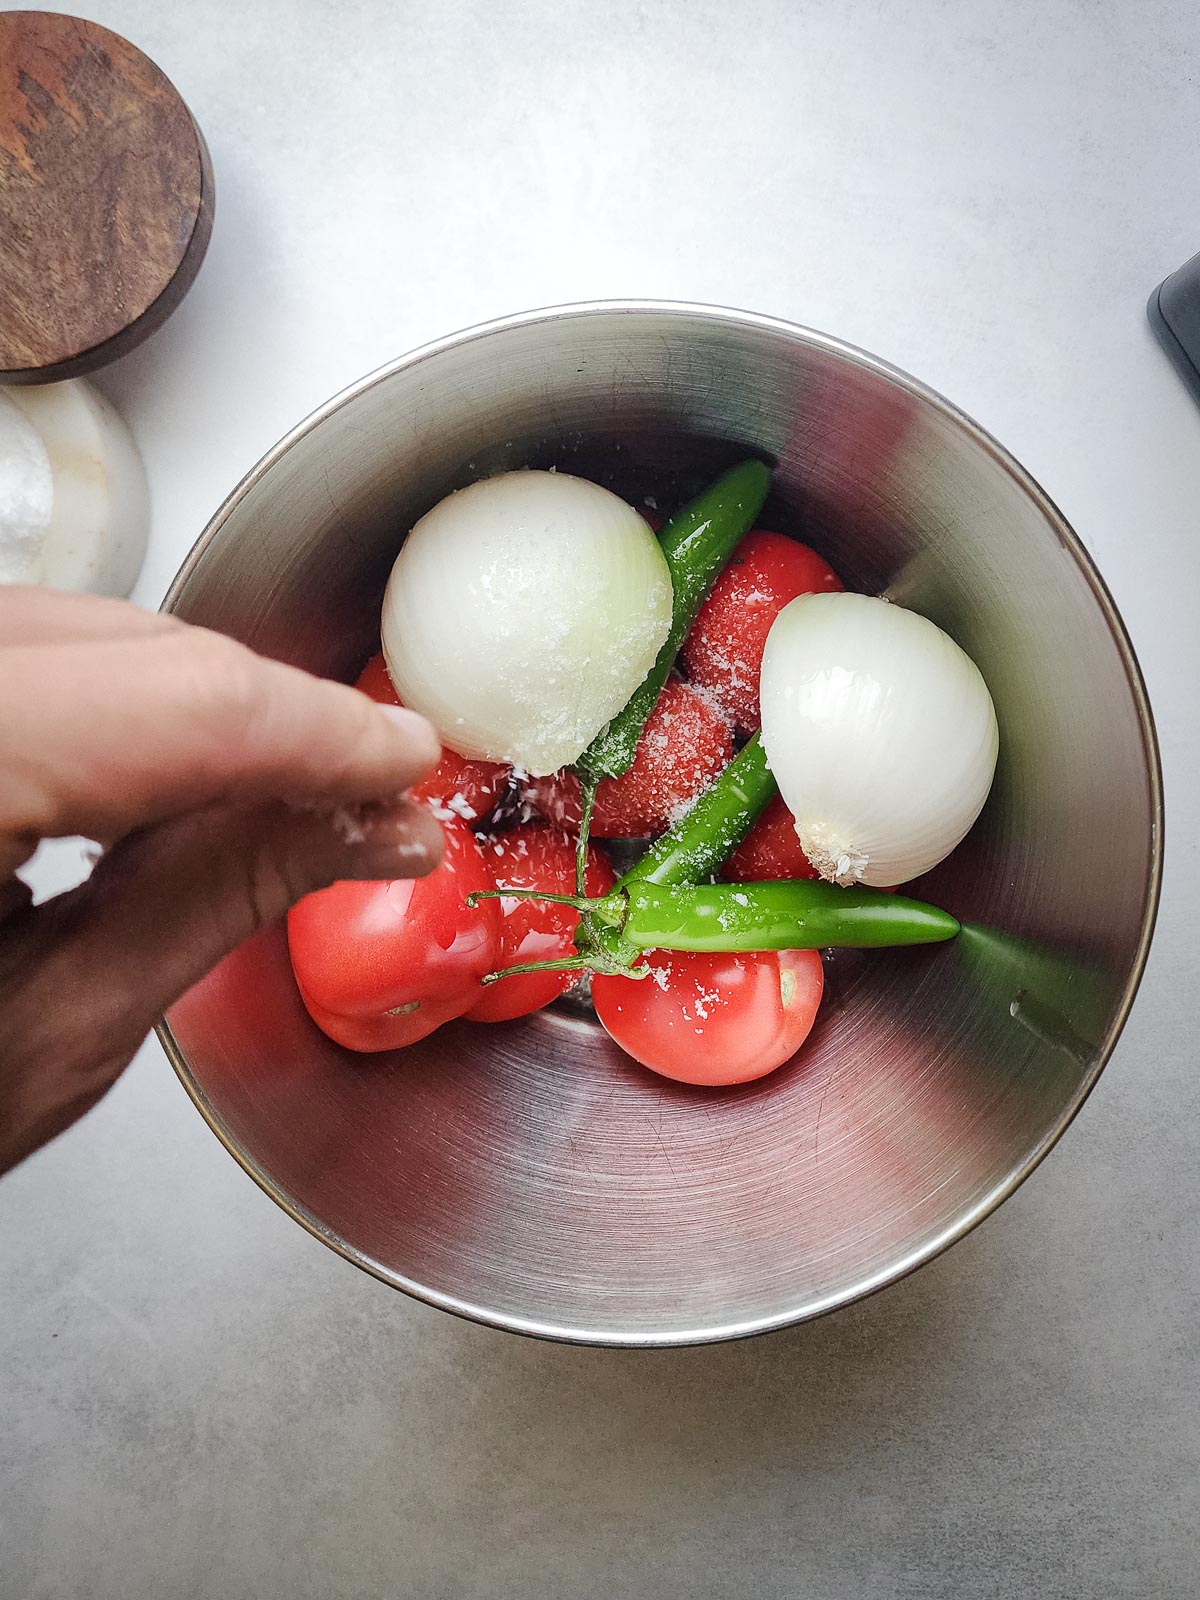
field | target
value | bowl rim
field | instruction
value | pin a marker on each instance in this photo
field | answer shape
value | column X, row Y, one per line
column 615, row 1337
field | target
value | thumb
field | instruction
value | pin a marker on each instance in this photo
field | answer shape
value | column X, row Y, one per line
column 85, row 977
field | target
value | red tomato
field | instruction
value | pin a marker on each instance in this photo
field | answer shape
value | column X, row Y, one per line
column 685, row 744
column 379, row 964
column 713, row 1019
column 534, row 856
column 458, row 786
column 723, row 652
column 770, row 850
column 374, row 682
column 382, row 1032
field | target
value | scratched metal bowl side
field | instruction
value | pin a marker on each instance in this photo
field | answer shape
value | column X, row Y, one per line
column 529, row 1175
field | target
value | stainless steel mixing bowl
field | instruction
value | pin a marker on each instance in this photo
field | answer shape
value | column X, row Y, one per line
column 530, row 1175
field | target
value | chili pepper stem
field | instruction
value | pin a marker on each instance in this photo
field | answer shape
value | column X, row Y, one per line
column 593, row 963
column 588, row 784
column 610, row 908
column 580, row 902
column 566, row 964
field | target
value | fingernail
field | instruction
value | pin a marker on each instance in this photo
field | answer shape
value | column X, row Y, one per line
column 418, row 733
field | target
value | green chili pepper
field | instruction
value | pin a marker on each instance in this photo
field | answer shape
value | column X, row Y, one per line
column 699, row 844
column 799, row 915
column 697, row 542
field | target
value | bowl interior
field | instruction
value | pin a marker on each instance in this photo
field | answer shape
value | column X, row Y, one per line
column 530, row 1174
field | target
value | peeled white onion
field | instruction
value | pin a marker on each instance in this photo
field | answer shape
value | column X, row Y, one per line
column 74, row 510
column 880, row 733
column 522, row 613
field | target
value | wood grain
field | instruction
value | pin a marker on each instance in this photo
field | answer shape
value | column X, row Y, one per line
column 106, row 197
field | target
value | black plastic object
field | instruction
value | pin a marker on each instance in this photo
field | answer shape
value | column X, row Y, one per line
column 1174, row 312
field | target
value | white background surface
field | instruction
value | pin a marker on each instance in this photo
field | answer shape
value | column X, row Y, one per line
column 196, row 1398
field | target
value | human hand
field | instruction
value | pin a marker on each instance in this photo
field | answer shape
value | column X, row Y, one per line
column 223, row 788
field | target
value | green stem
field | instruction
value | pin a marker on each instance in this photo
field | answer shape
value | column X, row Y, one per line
column 566, row 964
column 596, row 906
column 599, row 962
column 588, row 784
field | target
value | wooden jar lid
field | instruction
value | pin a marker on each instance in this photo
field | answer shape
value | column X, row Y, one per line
column 106, row 197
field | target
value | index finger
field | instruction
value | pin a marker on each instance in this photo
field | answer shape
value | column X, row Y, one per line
column 102, row 736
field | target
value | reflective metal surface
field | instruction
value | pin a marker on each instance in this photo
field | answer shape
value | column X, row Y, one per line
column 530, row 1175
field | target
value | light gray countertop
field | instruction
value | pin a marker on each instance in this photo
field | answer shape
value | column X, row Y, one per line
column 196, row 1398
